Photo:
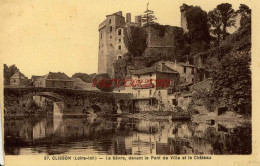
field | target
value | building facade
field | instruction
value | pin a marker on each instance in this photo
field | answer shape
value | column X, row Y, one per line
column 18, row 79
column 111, row 40
column 54, row 80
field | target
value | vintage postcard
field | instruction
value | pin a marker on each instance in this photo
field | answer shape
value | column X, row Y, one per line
column 129, row 82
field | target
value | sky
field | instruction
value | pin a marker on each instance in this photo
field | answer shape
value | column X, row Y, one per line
column 62, row 35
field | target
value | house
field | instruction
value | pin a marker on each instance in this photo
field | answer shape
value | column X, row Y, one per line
column 188, row 73
column 54, row 80
column 18, row 79
column 34, row 78
column 154, row 95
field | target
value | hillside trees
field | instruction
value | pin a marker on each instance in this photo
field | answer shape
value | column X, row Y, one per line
column 9, row 72
column 220, row 18
column 232, row 80
column 198, row 35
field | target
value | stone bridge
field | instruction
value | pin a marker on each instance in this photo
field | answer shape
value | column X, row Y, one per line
column 73, row 101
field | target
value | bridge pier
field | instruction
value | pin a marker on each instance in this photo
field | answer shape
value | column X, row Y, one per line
column 58, row 108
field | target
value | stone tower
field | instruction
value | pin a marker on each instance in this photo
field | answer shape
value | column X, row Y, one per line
column 111, row 45
column 183, row 10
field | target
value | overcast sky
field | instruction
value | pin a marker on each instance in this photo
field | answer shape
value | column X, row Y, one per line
column 62, row 35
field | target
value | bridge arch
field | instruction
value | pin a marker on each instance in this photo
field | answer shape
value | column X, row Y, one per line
column 96, row 108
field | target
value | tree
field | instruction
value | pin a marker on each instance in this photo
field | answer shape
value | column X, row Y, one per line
column 148, row 18
column 245, row 13
column 85, row 77
column 222, row 16
column 9, row 72
column 135, row 40
column 232, row 80
column 214, row 23
column 198, row 35
column 103, row 82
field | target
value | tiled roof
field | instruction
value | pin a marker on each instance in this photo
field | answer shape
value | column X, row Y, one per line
column 35, row 77
column 18, row 75
column 154, row 69
column 56, row 76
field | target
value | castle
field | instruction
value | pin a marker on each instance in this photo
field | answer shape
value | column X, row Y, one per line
column 111, row 38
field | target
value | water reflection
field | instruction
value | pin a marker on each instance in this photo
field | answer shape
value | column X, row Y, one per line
column 122, row 136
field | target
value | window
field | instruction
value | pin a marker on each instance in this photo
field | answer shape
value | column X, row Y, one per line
column 119, row 40
column 159, row 93
column 111, row 28
column 192, row 71
column 138, row 76
column 184, row 69
column 151, row 75
column 110, row 21
column 119, row 57
column 111, row 44
column 150, row 92
column 193, row 80
column 119, row 32
column 110, row 37
column 119, row 47
column 100, row 35
column 14, row 80
column 52, row 83
column 174, row 102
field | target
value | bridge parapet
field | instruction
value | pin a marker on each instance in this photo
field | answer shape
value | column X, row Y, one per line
column 74, row 100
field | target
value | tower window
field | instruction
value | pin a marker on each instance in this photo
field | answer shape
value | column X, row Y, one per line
column 119, row 40
column 119, row 47
column 184, row 69
column 119, row 32
column 111, row 28
column 109, row 21
column 100, row 35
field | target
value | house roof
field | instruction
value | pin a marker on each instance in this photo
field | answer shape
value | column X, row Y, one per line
column 18, row 75
column 56, row 76
column 154, row 69
column 35, row 77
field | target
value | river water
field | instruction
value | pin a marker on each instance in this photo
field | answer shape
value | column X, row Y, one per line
column 122, row 136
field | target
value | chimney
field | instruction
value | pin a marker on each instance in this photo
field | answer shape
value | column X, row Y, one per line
column 138, row 20
column 163, row 65
column 175, row 64
column 128, row 17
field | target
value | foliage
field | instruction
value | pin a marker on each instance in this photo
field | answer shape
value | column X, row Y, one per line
column 103, row 82
column 9, row 72
column 84, row 77
column 232, row 80
column 222, row 16
column 148, row 18
column 245, row 13
column 198, row 35
column 135, row 40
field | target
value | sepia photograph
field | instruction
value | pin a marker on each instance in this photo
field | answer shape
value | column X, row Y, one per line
column 126, row 78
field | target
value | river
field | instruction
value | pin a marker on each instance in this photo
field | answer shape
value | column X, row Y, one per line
column 122, row 136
